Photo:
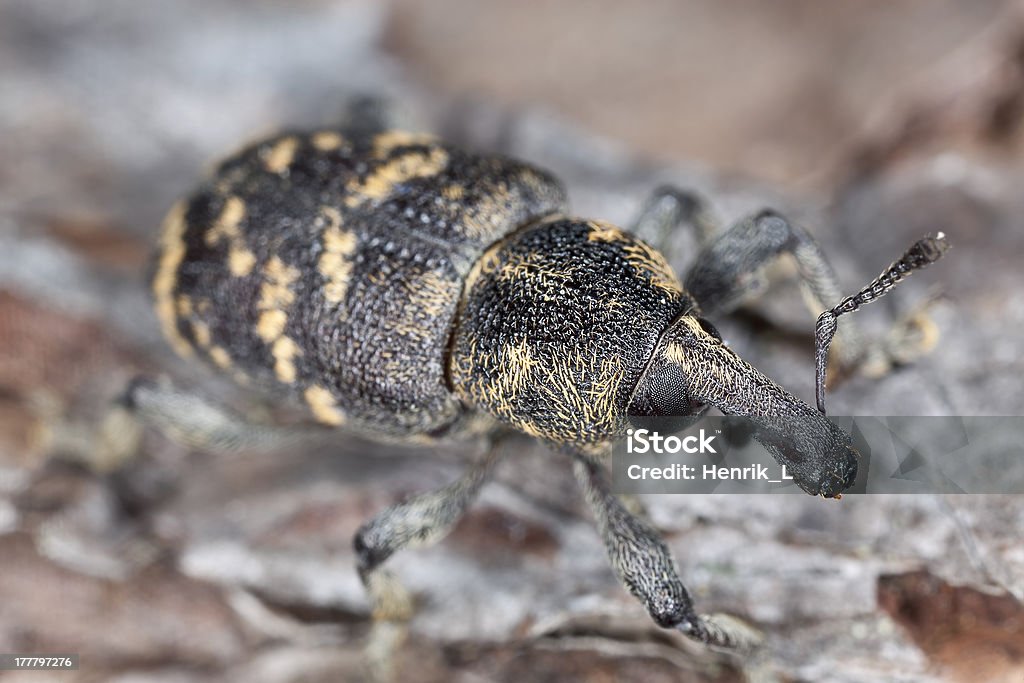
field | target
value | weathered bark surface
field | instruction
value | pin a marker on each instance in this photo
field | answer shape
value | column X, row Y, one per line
column 192, row 567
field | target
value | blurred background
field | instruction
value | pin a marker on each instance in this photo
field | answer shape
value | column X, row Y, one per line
column 869, row 122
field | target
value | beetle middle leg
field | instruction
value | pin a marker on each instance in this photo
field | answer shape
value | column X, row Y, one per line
column 186, row 418
column 419, row 521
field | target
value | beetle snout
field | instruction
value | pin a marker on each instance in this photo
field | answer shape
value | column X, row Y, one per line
column 837, row 460
column 843, row 475
column 816, row 453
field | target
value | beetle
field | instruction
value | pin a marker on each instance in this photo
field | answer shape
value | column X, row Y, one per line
column 404, row 289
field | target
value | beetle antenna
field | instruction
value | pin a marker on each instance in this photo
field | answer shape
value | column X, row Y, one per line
column 923, row 252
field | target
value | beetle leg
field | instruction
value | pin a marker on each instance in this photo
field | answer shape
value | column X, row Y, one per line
column 723, row 274
column 643, row 564
column 366, row 114
column 666, row 211
column 729, row 271
column 726, row 271
column 185, row 418
column 419, row 521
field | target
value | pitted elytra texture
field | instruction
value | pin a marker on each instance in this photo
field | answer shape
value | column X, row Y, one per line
column 335, row 264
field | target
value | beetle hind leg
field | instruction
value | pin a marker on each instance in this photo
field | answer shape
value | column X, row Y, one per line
column 188, row 419
column 421, row 520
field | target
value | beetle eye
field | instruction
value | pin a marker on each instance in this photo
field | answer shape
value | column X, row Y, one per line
column 662, row 401
column 709, row 328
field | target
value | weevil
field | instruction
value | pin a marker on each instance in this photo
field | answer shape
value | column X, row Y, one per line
column 402, row 288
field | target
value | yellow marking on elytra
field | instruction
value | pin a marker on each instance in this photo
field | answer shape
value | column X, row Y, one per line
column 226, row 225
column 488, row 213
column 323, row 405
column 329, row 216
column 334, row 263
column 279, row 157
column 278, row 278
column 326, row 140
column 240, row 260
column 386, row 142
column 429, row 294
column 338, row 241
column 412, row 329
column 165, row 280
column 201, row 331
column 183, row 305
column 284, row 351
column 532, row 179
column 453, row 192
column 220, row 356
column 271, row 324
column 383, row 180
column 275, row 297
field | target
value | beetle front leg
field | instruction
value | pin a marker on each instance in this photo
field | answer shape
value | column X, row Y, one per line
column 421, row 520
column 668, row 210
column 643, row 564
column 728, row 270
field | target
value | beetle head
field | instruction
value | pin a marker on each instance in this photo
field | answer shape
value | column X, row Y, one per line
column 692, row 369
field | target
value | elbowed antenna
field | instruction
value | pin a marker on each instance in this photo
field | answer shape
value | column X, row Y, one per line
column 923, row 252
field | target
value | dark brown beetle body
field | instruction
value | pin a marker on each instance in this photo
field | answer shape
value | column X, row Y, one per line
column 402, row 288
column 393, row 282
column 334, row 265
